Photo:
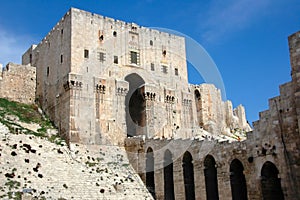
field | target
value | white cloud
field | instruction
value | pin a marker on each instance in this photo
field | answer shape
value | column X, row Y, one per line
column 12, row 46
column 225, row 17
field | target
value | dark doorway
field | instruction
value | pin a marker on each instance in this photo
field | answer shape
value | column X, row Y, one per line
column 270, row 183
column 150, row 184
column 168, row 176
column 188, row 175
column 211, row 181
column 238, row 181
column 135, row 106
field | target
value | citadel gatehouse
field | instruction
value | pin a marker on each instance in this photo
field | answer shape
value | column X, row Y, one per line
column 105, row 81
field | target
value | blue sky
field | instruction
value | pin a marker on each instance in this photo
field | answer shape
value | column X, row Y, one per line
column 247, row 39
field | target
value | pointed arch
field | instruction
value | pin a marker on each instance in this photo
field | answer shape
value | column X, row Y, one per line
column 211, row 179
column 270, row 183
column 188, row 176
column 168, row 176
column 150, row 183
column 238, row 180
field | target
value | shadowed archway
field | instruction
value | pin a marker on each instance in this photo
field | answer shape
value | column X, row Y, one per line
column 270, row 183
column 238, row 181
column 211, row 181
column 135, row 106
column 150, row 184
column 188, row 176
column 168, row 176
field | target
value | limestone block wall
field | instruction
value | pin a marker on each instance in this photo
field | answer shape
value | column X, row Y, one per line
column 223, row 153
column 18, row 83
column 269, row 157
column 108, row 54
column 52, row 59
column 101, row 80
column 82, row 60
column 278, row 127
column 216, row 116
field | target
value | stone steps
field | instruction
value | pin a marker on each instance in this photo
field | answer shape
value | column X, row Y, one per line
column 53, row 172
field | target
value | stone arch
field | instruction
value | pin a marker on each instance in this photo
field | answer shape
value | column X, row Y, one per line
column 188, row 176
column 211, row 179
column 168, row 176
column 135, row 105
column 270, row 182
column 150, row 183
column 238, row 180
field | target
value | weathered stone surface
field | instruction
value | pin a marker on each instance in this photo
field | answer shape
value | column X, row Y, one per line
column 90, row 68
column 275, row 141
column 53, row 171
column 101, row 80
column 17, row 83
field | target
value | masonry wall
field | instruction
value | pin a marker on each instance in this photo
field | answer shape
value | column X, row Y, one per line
column 216, row 116
column 52, row 59
column 95, row 73
column 274, row 141
column 18, row 83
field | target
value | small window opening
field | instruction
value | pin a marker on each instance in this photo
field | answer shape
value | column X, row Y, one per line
column 61, row 58
column 151, row 43
column 116, row 59
column 101, row 38
column 176, row 71
column 30, row 58
column 164, row 52
column 115, row 34
column 62, row 31
column 101, row 56
column 48, row 71
column 152, row 67
column 164, row 69
column 134, row 57
column 86, row 53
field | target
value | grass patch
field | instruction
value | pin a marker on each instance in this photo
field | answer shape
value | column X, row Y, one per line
column 13, row 184
column 27, row 113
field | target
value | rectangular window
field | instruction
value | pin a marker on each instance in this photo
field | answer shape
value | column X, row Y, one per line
column 133, row 57
column 61, row 58
column 116, row 60
column 152, row 66
column 101, row 56
column 176, row 71
column 86, row 53
column 164, row 69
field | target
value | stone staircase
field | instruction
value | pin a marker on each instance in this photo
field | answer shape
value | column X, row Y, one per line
column 35, row 168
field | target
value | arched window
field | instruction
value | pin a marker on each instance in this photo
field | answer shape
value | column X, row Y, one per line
column 270, row 183
column 211, row 181
column 150, row 184
column 238, row 181
column 168, row 176
column 188, row 176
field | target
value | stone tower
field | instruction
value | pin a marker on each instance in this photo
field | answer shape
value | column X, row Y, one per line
column 102, row 80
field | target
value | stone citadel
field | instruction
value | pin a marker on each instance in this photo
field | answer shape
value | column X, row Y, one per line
column 104, row 81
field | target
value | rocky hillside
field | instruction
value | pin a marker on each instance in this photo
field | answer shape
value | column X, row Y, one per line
column 36, row 164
